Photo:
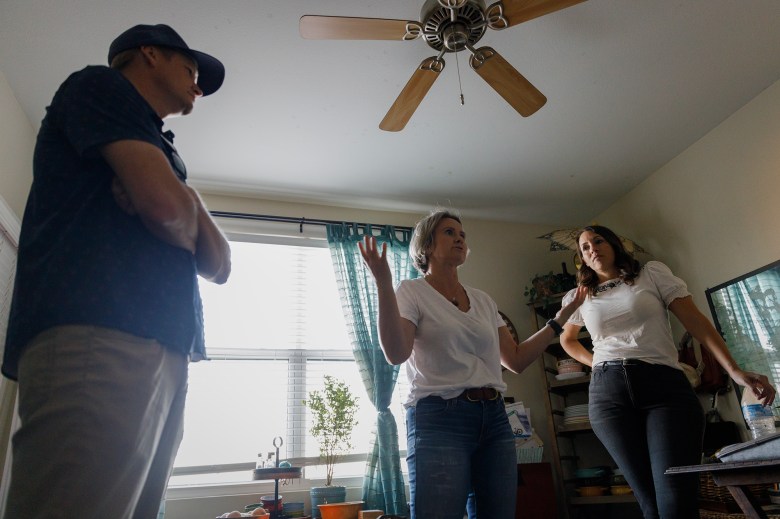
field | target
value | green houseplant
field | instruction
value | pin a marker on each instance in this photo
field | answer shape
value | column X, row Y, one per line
column 333, row 412
column 545, row 286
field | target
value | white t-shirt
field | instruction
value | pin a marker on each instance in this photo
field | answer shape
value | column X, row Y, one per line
column 453, row 350
column 632, row 321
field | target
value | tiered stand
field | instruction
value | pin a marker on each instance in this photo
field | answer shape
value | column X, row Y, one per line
column 276, row 473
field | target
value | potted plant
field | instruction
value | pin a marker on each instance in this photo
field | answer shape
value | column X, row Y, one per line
column 333, row 419
column 545, row 286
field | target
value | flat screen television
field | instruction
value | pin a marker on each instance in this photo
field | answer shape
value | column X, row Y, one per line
column 746, row 312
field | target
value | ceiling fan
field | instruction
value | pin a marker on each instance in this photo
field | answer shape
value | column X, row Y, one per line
column 446, row 26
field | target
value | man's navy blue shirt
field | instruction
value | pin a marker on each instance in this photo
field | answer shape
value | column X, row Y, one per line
column 82, row 260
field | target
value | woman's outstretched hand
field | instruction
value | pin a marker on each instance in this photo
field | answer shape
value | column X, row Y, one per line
column 579, row 297
column 757, row 383
column 375, row 260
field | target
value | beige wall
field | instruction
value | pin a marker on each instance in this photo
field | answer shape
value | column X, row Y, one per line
column 16, row 147
column 713, row 212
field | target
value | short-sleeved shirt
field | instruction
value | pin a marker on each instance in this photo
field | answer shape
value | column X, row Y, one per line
column 82, row 260
column 632, row 321
column 453, row 350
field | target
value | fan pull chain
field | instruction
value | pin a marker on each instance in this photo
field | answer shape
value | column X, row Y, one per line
column 460, row 85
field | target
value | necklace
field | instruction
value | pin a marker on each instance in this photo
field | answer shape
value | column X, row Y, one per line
column 609, row 285
column 452, row 299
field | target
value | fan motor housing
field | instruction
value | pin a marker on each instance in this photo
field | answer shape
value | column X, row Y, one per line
column 442, row 33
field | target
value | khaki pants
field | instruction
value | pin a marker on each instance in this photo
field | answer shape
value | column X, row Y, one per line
column 101, row 420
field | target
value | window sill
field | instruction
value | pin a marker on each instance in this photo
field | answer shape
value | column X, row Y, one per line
column 252, row 487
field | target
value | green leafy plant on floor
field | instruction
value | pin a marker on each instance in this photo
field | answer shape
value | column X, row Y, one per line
column 333, row 410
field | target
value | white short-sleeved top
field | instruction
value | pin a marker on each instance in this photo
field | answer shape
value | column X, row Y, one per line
column 453, row 350
column 632, row 321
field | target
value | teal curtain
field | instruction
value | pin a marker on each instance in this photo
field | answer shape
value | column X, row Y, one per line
column 383, row 485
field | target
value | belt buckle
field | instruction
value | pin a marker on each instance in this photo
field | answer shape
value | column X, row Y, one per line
column 481, row 392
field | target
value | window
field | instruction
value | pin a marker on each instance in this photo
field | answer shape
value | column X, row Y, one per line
column 272, row 332
column 9, row 419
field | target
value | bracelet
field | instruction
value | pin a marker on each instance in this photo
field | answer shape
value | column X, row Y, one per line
column 557, row 328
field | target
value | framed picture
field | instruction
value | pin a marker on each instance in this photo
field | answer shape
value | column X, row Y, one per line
column 746, row 312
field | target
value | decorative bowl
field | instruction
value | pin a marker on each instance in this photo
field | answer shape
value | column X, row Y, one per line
column 348, row 510
column 620, row 490
column 272, row 505
column 591, row 491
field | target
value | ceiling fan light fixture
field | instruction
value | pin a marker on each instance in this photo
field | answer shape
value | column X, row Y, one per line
column 456, row 37
column 437, row 21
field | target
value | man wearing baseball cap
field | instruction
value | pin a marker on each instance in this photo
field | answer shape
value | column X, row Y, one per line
column 106, row 313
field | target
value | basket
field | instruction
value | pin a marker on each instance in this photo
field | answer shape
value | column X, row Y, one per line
column 529, row 454
column 719, row 499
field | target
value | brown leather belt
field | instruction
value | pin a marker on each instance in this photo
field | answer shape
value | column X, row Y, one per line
column 476, row 394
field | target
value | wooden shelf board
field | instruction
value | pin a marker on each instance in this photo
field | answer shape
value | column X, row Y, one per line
column 602, row 500
column 574, row 428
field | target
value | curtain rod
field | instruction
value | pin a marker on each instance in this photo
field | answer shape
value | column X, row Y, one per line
column 291, row 219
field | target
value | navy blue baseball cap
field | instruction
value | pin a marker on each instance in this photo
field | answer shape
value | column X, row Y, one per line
column 211, row 71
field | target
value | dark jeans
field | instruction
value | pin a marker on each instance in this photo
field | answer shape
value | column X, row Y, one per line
column 649, row 419
column 455, row 446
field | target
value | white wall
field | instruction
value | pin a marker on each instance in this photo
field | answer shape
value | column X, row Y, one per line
column 713, row 213
column 16, row 148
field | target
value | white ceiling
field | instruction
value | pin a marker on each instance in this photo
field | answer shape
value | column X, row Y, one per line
column 630, row 84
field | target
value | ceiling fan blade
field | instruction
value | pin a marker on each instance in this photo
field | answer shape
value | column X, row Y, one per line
column 346, row 28
column 508, row 82
column 412, row 95
column 519, row 11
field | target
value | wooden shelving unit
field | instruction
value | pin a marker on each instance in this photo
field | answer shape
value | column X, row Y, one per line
column 567, row 441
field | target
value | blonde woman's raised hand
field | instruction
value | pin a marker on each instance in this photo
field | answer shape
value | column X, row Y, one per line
column 375, row 260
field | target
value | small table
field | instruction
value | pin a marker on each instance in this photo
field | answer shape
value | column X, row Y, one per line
column 736, row 476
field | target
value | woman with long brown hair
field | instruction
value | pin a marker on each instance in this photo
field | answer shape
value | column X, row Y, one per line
column 641, row 405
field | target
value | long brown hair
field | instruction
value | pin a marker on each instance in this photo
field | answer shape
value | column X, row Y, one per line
column 625, row 263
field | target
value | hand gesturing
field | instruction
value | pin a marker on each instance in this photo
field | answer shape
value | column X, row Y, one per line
column 375, row 260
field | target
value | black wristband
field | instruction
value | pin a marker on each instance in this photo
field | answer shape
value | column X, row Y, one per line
column 557, row 328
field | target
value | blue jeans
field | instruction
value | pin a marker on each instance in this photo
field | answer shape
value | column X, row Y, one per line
column 455, row 448
column 649, row 419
